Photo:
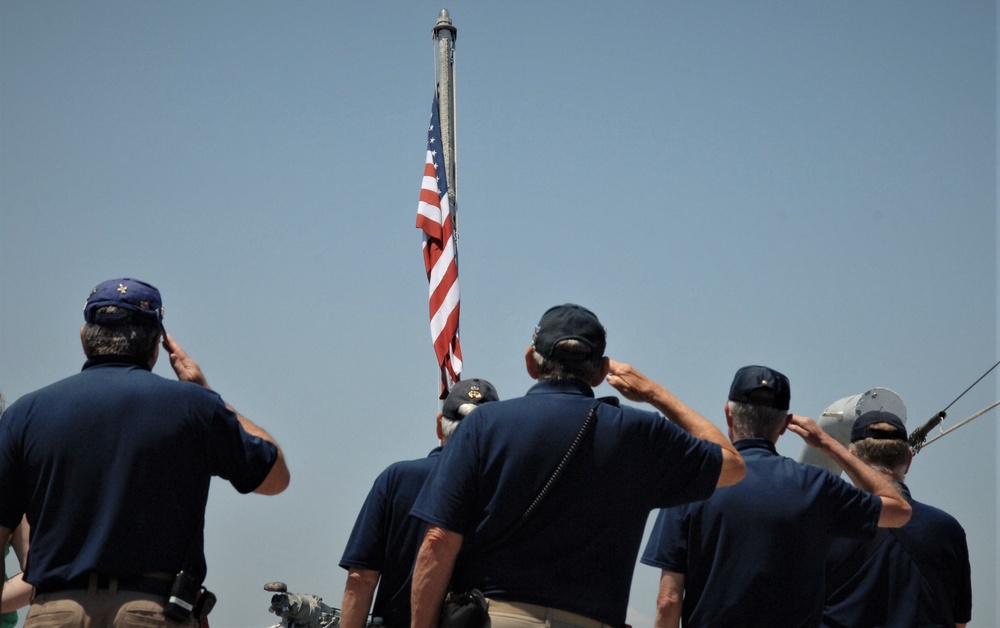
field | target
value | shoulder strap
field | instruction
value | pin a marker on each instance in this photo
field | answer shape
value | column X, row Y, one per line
column 587, row 425
column 932, row 577
column 850, row 565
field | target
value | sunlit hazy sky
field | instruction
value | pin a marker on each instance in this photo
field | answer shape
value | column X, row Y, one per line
column 807, row 185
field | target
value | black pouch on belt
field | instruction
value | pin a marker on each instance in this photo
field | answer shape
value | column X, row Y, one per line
column 183, row 596
column 188, row 599
column 465, row 610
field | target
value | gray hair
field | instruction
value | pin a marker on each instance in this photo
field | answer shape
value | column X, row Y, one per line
column 574, row 361
column 128, row 339
column 448, row 427
column 752, row 420
column 887, row 455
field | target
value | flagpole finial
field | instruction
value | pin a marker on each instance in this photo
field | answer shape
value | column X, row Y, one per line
column 444, row 23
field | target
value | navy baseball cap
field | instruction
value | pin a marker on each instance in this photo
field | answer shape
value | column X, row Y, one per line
column 569, row 322
column 128, row 294
column 862, row 427
column 465, row 396
column 761, row 386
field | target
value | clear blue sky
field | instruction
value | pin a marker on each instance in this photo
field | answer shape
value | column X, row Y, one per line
column 807, row 185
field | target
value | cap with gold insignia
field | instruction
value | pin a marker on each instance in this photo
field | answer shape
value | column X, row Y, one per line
column 465, row 396
column 127, row 294
column 762, row 386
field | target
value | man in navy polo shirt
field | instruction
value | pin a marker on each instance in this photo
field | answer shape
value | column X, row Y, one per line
column 571, row 561
column 752, row 554
column 916, row 575
column 385, row 538
column 112, row 467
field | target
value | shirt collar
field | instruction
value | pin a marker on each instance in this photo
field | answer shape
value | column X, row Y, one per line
column 561, row 386
column 750, row 444
column 121, row 360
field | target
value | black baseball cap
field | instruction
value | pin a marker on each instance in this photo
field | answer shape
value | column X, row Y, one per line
column 862, row 427
column 127, row 294
column 762, row 386
column 569, row 322
column 465, row 396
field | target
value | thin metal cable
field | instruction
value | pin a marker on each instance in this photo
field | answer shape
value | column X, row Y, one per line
column 918, row 438
column 973, row 384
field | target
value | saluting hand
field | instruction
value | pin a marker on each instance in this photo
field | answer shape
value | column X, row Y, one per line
column 808, row 429
column 629, row 382
column 187, row 369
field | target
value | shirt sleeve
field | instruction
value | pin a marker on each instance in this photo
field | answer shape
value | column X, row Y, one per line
column 235, row 455
column 667, row 545
column 366, row 545
column 449, row 496
column 688, row 468
column 853, row 513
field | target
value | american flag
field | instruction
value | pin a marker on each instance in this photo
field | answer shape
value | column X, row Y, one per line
column 440, row 257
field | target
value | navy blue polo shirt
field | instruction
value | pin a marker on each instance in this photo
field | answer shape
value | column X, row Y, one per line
column 885, row 586
column 112, row 467
column 386, row 538
column 753, row 553
column 577, row 551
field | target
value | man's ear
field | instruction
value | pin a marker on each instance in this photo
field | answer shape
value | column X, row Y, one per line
column 440, row 432
column 529, row 362
column 154, row 354
column 784, row 427
column 154, row 351
column 602, row 372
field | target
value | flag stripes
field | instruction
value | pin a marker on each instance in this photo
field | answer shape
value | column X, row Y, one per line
column 440, row 257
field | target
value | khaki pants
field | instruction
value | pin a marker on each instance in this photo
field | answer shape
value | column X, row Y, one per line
column 100, row 609
column 505, row 614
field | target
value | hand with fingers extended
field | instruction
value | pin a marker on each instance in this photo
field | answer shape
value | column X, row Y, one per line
column 632, row 384
column 184, row 366
column 810, row 431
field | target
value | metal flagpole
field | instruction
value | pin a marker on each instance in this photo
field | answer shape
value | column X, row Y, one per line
column 436, row 213
column 445, row 35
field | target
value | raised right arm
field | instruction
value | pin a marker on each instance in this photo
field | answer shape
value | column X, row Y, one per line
column 637, row 387
column 895, row 510
column 187, row 370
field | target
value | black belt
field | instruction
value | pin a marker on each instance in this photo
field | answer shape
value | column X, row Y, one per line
column 153, row 585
